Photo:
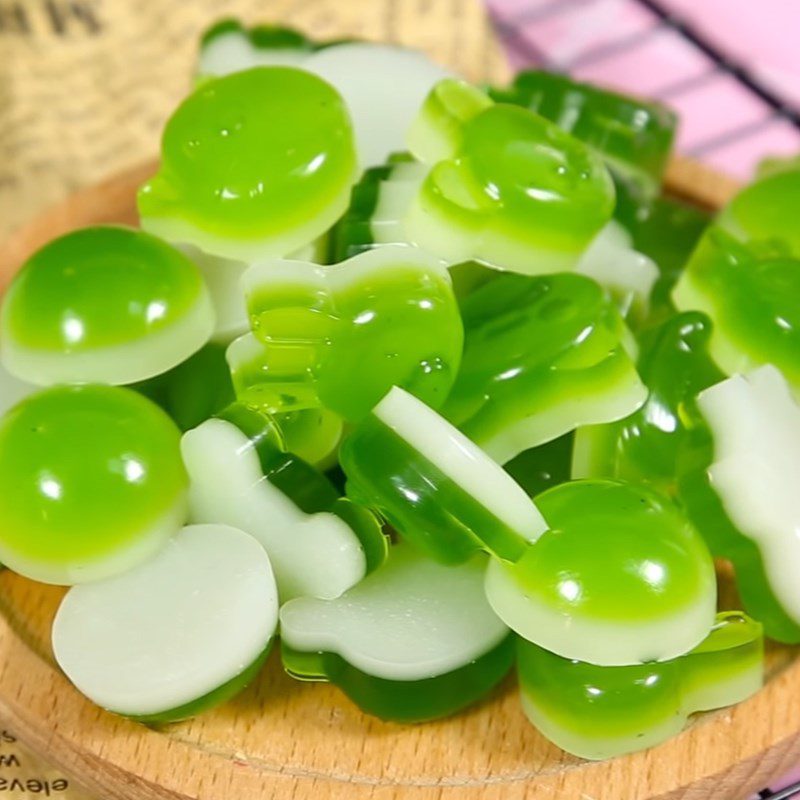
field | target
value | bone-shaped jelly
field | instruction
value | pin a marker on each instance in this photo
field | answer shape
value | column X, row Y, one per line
column 413, row 641
column 319, row 544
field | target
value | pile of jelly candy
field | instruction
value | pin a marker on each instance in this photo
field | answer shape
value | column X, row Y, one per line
column 429, row 382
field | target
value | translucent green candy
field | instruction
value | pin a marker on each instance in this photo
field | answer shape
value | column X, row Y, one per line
column 92, row 480
column 413, row 641
column 506, row 186
column 437, row 488
column 752, row 294
column 542, row 355
column 647, row 446
column 665, row 230
column 106, row 304
column 620, row 578
column 740, row 490
column 319, row 544
column 766, row 211
column 378, row 203
column 237, row 180
column 634, row 136
column 602, row 712
column 173, row 637
column 341, row 336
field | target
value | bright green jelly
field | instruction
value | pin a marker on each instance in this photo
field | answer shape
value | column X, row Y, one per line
column 634, row 136
column 256, row 162
column 752, row 294
column 105, row 303
column 621, row 577
column 533, row 345
column 516, row 192
column 647, row 446
column 342, row 336
column 93, row 483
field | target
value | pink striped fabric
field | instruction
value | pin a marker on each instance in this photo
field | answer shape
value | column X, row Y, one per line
column 729, row 67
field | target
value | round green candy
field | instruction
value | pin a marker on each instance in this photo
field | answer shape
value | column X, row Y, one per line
column 104, row 304
column 633, row 136
column 254, row 164
column 93, row 483
column 515, row 192
column 620, row 578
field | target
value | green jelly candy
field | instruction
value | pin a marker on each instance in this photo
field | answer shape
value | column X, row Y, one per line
column 542, row 355
column 620, row 578
column 435, row 486
column 175, row 636
column 92, row 480
column 666, row 231
column 378, row 203
column 752, row 294
column 543, row 467
column 515, row 191
column 740, row 490
column 312, row 433
column 228, row 46
column 223, row 278
column 772, row 165
column 647, row 446
column 634, row 136
column 413, row 641
column 236, row 179
column 105, row 304
column 766, row 211
column 341, row 336
column 319, row 544
column 602, row 712
column 194, row 390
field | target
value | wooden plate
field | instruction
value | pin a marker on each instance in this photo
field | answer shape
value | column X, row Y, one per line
column 283, row 739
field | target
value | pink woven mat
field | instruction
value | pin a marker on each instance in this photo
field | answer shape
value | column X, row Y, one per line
column 731, row 68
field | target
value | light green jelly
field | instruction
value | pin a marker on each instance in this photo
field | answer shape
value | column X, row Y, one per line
column 413, row 641
column 602, row 712
column 341, row 336
column 766, row 210
column 514, row 190
column 109, row 304
column 542, row 355
column 253, row 164
column 646, row 446
column 634, row 136
column 751, row 292
column 437, row 488
column 93, row 483
column 621, row 577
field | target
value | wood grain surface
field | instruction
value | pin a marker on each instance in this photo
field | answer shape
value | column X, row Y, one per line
column 283, row 739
